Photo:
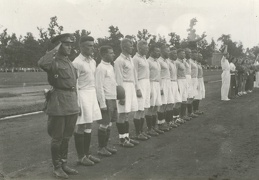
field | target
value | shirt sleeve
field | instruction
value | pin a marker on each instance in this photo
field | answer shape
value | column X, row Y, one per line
column 118, row 72
column 46, row 62
column 99, row 79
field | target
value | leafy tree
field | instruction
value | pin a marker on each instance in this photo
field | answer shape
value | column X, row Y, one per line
column 46, row 35
column 144, row 34
column 175, row 40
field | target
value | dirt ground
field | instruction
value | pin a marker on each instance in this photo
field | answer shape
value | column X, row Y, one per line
column 221, row 144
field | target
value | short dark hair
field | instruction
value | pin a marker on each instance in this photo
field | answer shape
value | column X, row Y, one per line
column 194, row 51
column 85, row 38
column 104, row 49
column 153, row 46
column 173, row 49
column 180, row 50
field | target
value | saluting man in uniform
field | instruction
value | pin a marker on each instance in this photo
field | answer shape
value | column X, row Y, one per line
column 62, row 107
column 87, row 100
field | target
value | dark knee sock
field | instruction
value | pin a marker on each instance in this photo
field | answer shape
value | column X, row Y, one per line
column 189, row 107
column 120, row 128
column 149, row 122
column 87, row 142
column 137, row 124
column 154, row 119
column 126, row 125
column 141, row 124
column 183, row 110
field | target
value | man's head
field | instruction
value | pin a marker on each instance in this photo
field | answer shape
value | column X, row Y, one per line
column 187, row 53
column 86, row 44
column 142, row 47
column 173, row 54
column 180, row 54
column 194, row 55
column 200, row 58
column 126, row 46
column 107, row 53
column 165, row 51
column 65, row 41
column 154, row 51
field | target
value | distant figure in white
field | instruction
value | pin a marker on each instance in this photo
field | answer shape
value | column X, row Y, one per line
column 256, row 84
column 225, row 76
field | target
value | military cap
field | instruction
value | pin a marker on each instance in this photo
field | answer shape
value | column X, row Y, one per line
column 66, row 37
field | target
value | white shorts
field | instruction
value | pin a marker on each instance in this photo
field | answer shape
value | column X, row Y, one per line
column 155, row 99
column 175, row 92
column 189, row 86
column 144, row 101
column 89, row 106
column 201, row 89
column 131, row 102
column 194, row 87
column 182, row 84
column 167, row 98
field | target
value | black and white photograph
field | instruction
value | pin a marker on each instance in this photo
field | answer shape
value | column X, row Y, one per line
column 129, row 89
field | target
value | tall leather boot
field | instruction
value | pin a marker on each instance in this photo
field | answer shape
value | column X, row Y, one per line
column 63, row 155
column 55, row 154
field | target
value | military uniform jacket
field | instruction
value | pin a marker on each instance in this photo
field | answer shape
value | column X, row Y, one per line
column 62, row 76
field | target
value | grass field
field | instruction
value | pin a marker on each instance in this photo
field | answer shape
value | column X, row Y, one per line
column 21, row 79
column 22, row 92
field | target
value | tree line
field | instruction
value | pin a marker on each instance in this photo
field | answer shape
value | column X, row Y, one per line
column 25, row 51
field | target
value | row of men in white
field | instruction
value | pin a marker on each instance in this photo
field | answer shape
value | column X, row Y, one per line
column 158, row 89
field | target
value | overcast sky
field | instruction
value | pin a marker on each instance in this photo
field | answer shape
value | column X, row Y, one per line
column 240, row 18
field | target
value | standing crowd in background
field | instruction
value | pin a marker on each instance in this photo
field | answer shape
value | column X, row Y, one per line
column 240, row 75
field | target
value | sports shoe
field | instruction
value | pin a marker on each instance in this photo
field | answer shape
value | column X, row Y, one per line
column 152, row 132
column 173, row 124
column 85, row 161
column 144, row 134
column 94, row 159
column 163, row 127
column 179, row 121
column 192, row 115
column 104, row 152
column 126, row 144
column 132, row 141
column 186, row 118
column 141, row 137
column 59, row 173
column 111, row 150
column 69, row 170
column 158, row 130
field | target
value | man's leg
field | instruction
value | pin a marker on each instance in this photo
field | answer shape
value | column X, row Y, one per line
column 139, row 125
column 70, row 122
column 56, row 126
column 122, row 129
